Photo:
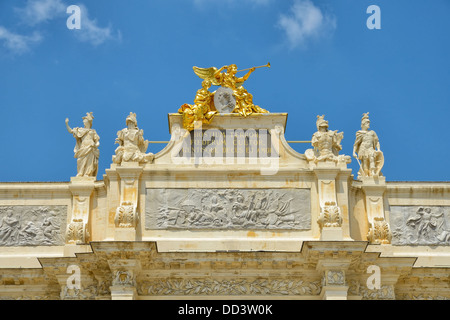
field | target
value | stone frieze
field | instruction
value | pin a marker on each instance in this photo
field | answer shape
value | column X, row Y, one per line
column 228, row 209
column 32, row 225
column 420, row 225
column 165, row 287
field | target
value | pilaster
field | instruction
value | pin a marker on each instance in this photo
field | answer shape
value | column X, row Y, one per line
column 379, row 230
column 124, row 278
column 334, row 284
column 127, row 214
column 333, row 217
column 81, row 189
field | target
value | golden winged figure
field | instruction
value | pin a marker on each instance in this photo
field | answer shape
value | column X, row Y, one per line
column 207, row 74
column 204, row 109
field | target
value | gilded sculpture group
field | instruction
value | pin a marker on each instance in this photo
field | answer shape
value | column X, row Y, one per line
column 204, row 109
column 132, row 146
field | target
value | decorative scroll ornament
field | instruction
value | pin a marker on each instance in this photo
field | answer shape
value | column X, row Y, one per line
column 229, row 287
column 421, row 296
column 124, row 278
column 88, row 293
column 379, row 232
column 334, row 278
column 330, row 215
column 126, row 215
column 385, row 292
column 76, row 232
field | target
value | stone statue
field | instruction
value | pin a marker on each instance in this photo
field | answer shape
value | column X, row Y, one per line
column 326, row 143
column 132, row 146
column 86, row 148
column 366, row 150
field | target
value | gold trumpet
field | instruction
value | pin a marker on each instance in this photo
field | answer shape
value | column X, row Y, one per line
column 267, row 65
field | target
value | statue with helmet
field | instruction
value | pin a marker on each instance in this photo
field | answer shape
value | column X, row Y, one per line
column 366, row 150
column 327, row 144
column 132, row 146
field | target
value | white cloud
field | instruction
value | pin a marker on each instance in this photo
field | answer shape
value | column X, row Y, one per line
column 202, row 3
column 92, row 33
column 39, row 11
column 305, row 22
column 36, row 12
column 16, row 43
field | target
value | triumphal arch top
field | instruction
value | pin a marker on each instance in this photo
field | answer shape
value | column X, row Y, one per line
column 226, row 210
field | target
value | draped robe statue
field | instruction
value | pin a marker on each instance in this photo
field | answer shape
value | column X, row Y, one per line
column 86, row 148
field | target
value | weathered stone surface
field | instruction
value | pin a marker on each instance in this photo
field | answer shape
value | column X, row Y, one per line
column 197, row 229
column 32, row 225
column 230, row 287
column 228, row 209
column 420, row 225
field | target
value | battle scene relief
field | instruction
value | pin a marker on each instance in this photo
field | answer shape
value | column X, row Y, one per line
column 228, row 209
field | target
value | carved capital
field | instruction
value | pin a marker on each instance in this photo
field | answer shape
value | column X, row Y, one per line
column 76, row 232
column 379, row 232
column 125, row 278
column 126, row 215
column 334, row 285
column 333, row 278
column 330, row 215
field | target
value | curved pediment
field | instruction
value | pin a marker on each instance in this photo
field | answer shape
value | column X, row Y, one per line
column 255, row 142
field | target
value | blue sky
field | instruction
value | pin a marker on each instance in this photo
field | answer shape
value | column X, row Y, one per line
column 137, row 56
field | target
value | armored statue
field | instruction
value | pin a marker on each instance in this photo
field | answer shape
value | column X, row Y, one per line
column 86, row 148
column 366, row 150
column 132, row 146
column 326, row 143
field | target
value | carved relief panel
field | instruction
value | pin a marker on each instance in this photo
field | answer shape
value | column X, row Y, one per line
column 32, row 225
column 231, row 287
column 228, row 209
column 420, row 225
